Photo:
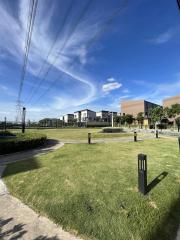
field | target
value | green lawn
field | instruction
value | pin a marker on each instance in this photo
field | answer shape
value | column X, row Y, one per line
column 77, row 133
column 91, row 190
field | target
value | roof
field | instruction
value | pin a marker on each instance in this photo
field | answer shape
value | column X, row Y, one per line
column 84, row 110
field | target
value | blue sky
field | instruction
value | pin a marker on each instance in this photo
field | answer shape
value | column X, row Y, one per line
column 106, row 51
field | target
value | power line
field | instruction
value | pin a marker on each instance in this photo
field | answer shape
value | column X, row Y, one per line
column 31, row 19
column 64, row 44
column 178, row 2
column 51, row 48
column 107, row 23
column 27, row 45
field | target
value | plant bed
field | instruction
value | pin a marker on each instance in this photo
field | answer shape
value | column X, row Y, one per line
column 7, row 134
column 19, row 142
column 112, row 130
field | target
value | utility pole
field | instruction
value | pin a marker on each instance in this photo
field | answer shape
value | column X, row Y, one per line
column 112, row 120
column 5, row 125
column 23, row 120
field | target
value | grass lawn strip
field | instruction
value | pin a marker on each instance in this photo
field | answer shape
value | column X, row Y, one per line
column 92, row 189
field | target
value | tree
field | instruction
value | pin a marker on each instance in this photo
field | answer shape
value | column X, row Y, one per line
column 129, row 119
column 168, row 112
column 175, row 109
column 156, row 114
column 178, row 122
column 140, row 118
column 117, row 120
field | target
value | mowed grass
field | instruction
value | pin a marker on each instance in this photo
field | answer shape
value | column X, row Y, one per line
column 91, row 190
column 77, row 133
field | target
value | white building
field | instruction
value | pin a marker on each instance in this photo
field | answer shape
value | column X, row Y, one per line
column 85, row 115
column 105, row 116
column 68, row 118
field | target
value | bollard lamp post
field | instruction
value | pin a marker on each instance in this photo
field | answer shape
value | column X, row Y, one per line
column 135, row 136
column 142, row 173
column 89, row 138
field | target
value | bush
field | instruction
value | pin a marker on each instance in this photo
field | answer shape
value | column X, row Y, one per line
column 112, row 130
column 21, row 142
column 162, row 126
column 6, row 134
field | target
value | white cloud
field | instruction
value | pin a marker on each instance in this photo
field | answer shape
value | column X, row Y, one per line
column 69, row 46
column 163, row 37
column 108, row 87
column 111, row 79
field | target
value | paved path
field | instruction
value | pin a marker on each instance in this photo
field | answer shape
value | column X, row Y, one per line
column 106, row 140
column 18, row 221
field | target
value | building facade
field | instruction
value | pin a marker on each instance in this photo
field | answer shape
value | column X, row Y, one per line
column 134, row 107
column 68, row 118
column 88, row 115
column 168, row 102
column 85, row 115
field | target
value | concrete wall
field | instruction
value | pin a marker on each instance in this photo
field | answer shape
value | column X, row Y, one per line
column 132, row 107
column 168, row 102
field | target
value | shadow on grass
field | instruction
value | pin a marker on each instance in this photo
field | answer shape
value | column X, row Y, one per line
column 157, row 180
column 168, row 227
column 21, row 166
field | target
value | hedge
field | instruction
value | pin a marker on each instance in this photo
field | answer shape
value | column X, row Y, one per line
column 6, row 133
column 21, row 142
column 112, row 130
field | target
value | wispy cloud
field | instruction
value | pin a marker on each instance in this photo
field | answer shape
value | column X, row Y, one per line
column 111, row 79
column 163, row 37
column 108, row 87
column 74, row 45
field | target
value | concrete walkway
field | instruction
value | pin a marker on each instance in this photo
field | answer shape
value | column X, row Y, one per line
column 18, row 221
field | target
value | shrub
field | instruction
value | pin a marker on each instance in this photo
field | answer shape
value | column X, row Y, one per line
column 6, row 134
column 21, row 142
column 162, row 126
column 112, row 130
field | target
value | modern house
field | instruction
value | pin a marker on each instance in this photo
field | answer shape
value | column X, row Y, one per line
column 77, row 116
column 103, row 116
column 168, row 102
column 88, row 115
column 68, row 118
column 134, row 107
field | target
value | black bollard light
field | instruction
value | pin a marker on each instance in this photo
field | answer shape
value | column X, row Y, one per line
column 135, row 136
column 89, row 138
column 157, row 134
column 142, row 173
column 179, row 143
column 5, row 124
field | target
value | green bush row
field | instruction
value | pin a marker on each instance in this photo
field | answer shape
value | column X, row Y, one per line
column 21, row 142
column 112, row 130
column 6, row 133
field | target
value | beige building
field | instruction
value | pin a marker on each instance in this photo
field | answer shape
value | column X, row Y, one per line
column 168, row 102
column 134, row 107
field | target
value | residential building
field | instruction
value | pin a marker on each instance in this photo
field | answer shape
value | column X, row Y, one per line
column 103, row 116
column 49, row 122
column 168, row 102
column 77, row 116
column 134, row 107
column 88, row 115
column 68, row 118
